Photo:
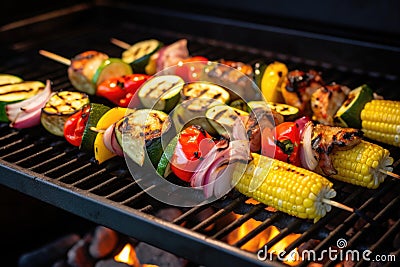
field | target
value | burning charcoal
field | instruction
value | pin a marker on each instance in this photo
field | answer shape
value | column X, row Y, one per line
column 148, row 254
column 49, row 253
column 169, row 214
column 111, row 263
column 78, row 255
column 309, row 245
column 103, row 243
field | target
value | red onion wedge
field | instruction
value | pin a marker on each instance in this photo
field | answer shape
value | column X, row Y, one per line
column 307, row 155
column 110, row 141
column 214, row 174
column 26, row 113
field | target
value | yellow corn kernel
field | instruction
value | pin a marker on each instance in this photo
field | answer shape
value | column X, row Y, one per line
column 285, row 187
column 381, row 121
column 368, row 172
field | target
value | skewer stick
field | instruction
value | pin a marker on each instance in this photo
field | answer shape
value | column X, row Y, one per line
column 94, row 129
column 120, row 43
column 394, row 175
column 55, row 57
column 337, row 204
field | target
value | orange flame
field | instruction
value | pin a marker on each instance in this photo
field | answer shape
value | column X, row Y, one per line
column 263, row 238
column 127, row 255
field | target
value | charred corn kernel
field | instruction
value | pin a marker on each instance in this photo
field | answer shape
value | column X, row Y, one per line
column 381, row 121
column 362, row 165
column 285, row 187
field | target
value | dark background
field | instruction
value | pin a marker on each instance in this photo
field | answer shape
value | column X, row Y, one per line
column 367, row 20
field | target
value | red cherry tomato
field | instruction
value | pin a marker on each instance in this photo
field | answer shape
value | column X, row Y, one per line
column 121, row 90
column 75, row 126
column 283, row 144
column 193, row 144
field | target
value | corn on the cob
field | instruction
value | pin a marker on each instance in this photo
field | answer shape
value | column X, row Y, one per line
column 285, row 187
column 381, row 121
column 362, row 165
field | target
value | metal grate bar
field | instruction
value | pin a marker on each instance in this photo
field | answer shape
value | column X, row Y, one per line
column 137, row 196
column 71, row 172
column 320, row 224
column 34, row 155
column 256, row 209
column 264, row 225
column 101, row 171
column 219, row 214
column 366, row 228
column 350, row 220
column 284, row 232
column 43, row 163
column 61, row 166
column 16, row 142
column 113, row 194
column 202, row 206
column 105, row 183
column 146, row 209
column 17, row 151
column 8, row 135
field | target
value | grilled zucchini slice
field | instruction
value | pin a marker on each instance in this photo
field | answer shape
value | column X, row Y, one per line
column 138, row 55
column 140, row 132
column 7, row 79
column 224, row 118
column 161, row 92
column 205, row 90
column 59, row 107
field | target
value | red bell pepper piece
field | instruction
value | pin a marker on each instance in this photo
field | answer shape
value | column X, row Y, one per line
column 121, row 90
column 193, row 144
column 75, row 126
column 283, row 144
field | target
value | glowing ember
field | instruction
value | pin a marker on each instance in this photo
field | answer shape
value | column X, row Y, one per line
column 263, row 238
column 127, row 255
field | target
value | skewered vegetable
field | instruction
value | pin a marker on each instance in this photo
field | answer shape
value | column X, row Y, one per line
column 75, row 125
column 348, row 114
column 110, row 68
column 192, row 147
column 6, row 79
column 121, row 90
column 102, row 151
column 26, row 113
column 161, row 92
column 96, row 111
column 140, row 132
column 364, row 165
column 381, row 121
column 272, row 80
column 59, row 107
column 225, row 119
column 288, row 112
column 283, row 144
column 82, row 69
column 13, row 91
column 285, row 187
column 138, row 55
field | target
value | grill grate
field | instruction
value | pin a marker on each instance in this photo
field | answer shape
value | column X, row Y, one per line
column 48, row 168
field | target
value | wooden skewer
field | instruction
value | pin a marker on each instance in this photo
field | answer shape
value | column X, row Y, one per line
column 55, row 57
column 120, row 43
column 94, row 129
column 392, row 174
column 337, row 204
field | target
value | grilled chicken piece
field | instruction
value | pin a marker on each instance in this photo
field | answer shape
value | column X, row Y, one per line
column 260, row 119
column 326, row 100
column 299, row 87
column 327, row 139
column 82, row 69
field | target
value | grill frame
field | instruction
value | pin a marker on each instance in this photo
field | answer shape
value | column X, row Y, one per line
column 118, row 216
